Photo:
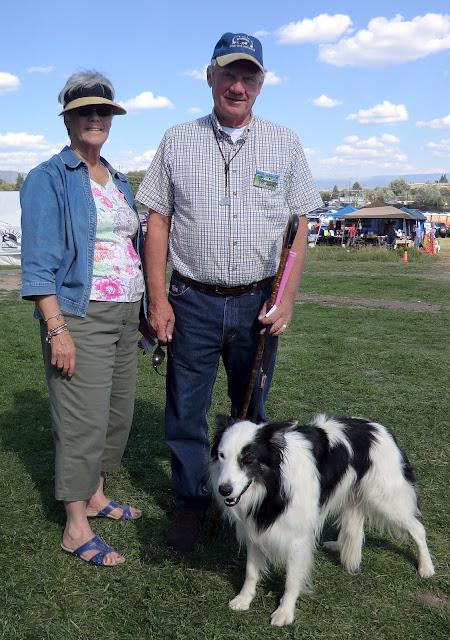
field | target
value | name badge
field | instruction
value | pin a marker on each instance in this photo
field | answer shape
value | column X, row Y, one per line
column 266, row 179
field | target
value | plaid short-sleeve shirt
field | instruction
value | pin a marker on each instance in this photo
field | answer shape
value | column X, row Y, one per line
column 228, row 234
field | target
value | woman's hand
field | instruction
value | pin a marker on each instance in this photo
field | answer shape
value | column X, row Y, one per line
column 63, row 353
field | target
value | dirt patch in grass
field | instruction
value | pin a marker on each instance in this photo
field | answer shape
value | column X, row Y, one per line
column 370, row 303
column 437, row 599
column 443, row 275
column 9, row 280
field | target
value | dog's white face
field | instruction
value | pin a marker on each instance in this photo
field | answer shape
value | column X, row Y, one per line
column 231, row 468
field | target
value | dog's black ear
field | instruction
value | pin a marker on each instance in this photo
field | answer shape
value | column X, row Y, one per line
column 275, row 431
column 281, row 427
column 222, row 424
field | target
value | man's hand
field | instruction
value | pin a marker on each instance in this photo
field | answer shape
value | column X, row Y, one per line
column 161, row 320
column 278, row 321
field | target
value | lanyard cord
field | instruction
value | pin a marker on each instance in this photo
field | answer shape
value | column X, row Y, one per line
column 225, row 163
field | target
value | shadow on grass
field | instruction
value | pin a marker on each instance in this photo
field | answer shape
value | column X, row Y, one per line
column 396, row 547
column 27, row 433
column 147, row 463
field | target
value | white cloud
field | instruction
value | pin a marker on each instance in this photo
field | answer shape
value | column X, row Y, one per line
column 22, row 139
column 372, row 142
column 383, row 113
column 372, row 165
column 195, row 110
column 440, row 148
column 271, row 78
column 376, row 153
column 436, row 123
column 325, row 101
column 322, row 28
column 18, row 160
column 8, row 82
column 387, row 137
column 309, row 152
column 48, row 69
column 129, row 161
column 197, row 74
column 146, row 157
column 387, row 42
column 367, row 153
column 147, row 100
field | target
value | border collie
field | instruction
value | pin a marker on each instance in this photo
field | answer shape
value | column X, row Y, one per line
column 278, row 482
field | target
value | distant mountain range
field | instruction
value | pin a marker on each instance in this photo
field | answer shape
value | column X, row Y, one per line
column 325, row 184
column 9, row 176
column 376, row 181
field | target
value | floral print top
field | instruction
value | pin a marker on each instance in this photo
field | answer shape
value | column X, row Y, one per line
column 117, row 276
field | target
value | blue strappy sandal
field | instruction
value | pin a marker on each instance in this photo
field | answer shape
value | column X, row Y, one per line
column 94, row 544
column 106, row 512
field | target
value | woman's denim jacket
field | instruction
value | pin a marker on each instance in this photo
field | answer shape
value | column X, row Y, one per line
column 59, row 223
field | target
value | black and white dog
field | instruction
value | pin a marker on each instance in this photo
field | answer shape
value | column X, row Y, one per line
column 278, row 483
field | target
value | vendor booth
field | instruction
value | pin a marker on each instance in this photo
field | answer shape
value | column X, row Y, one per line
column 385, row 225
column 10, row 229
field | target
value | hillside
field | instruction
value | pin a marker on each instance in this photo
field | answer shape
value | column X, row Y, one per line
column 377, row 181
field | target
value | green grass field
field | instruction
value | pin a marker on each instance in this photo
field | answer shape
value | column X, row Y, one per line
column 387, row 364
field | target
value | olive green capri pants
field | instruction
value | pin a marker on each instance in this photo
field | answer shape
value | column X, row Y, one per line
column 92, row 411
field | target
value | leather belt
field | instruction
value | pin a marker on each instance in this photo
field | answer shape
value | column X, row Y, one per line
column 223, row 291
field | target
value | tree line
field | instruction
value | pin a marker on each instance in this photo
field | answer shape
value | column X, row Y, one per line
column 428, row 196
column 12, row 186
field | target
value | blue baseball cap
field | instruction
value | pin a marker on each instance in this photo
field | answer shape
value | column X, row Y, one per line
column 238, row 46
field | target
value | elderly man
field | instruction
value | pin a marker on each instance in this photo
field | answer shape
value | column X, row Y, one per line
column 220, row 191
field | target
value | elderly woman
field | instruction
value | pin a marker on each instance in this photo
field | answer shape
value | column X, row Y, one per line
column 81, row 266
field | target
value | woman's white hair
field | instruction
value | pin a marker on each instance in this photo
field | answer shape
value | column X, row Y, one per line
column 84, row 80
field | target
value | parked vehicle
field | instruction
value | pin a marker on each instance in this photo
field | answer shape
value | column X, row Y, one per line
column 441, row 230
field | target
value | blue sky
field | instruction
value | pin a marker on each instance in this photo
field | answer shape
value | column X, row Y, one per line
column 365, row 85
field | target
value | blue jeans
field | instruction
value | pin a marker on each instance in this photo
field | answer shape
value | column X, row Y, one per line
column 207, row 326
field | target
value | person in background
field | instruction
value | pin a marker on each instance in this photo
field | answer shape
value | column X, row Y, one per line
column 390, row 233
column 220, row 191
column 351, row 235
column 81, row 266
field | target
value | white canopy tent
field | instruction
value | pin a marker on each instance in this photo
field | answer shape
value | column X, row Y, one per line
column 10, row 229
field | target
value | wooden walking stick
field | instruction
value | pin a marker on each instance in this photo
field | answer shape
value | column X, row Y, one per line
column 289, row 236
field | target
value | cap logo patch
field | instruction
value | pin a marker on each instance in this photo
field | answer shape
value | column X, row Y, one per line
column 242, row 41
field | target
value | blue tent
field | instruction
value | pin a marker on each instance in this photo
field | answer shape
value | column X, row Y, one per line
column 415, row 213
column 337, row 214
column 344, row 210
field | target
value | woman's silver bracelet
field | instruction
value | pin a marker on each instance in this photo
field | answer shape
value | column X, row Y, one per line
column 57, row 316
column 56, row 331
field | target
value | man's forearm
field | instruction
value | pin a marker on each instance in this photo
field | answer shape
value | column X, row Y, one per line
column 155, row 253
column 299, row 246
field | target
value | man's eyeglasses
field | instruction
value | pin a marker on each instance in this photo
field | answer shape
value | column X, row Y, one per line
column 158, row 357
column 102, row 110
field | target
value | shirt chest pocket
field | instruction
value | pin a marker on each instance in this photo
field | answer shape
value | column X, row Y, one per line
column 270, row 202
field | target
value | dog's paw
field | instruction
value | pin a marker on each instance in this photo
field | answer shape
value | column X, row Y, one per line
column 426, row 570
column 331, row 545
column 282, row 616
column 240, row 603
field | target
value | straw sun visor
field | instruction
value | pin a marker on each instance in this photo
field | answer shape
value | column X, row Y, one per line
column 88, row 100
